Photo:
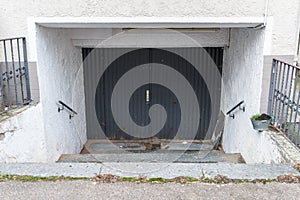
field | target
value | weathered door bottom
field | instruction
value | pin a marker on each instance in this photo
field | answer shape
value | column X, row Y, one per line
column 104, row 146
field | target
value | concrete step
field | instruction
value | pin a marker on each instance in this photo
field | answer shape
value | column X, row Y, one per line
column 151, row 170
column 99, row 147
column 156, row 157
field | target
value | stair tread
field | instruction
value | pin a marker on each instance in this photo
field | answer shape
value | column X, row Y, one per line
column 156, row 156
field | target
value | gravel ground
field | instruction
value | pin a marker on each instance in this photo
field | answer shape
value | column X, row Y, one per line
column 126, row 190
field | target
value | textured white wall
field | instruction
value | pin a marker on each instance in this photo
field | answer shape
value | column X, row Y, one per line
column 23, row 138
column 13, row 22
column 60, row 78
column 282, row 38
column 242, row 76
column 284, row 26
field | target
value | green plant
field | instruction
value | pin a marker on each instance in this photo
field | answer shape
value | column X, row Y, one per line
column 255, row 117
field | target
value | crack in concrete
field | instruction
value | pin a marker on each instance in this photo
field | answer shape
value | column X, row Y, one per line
column 2, row 134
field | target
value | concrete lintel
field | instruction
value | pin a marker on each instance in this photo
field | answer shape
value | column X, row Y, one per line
column 149, row 22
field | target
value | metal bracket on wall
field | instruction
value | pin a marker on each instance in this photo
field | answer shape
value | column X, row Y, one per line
column 63, row 106
column 240, row 106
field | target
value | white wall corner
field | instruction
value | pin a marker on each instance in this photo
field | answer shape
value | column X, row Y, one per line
column 61, row 78
column 31, row 39
column 242, row 78
column 268, row 36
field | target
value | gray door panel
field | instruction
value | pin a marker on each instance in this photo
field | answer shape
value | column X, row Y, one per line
column 143, row 93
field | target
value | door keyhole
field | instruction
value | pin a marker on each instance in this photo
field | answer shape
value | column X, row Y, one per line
column 147, row 96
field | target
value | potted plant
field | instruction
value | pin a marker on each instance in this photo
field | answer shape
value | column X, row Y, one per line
column 261, row 122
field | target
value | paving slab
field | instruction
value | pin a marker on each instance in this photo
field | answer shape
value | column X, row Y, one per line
column 156, row 156
column 163, row 170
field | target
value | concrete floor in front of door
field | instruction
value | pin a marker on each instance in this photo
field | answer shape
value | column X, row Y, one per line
column 151, row 151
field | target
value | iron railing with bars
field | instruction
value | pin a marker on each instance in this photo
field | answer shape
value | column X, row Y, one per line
column 284, row 99
column 14, row 75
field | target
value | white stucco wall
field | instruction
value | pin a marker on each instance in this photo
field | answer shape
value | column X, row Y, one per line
column 22, row 136
column 60, row 78
column 242, row 76
column 13, row 22
column 283, row 20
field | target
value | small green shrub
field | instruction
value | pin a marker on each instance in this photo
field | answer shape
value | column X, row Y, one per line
column 255, row 117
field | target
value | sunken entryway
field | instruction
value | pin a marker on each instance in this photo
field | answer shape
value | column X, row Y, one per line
column 153, row 105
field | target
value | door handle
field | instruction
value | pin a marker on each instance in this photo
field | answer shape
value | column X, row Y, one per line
column 147, row 96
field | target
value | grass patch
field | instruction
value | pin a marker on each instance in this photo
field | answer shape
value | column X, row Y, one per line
column 6, row 177
column 157, row 180
column 128, row 179
column 109, row 178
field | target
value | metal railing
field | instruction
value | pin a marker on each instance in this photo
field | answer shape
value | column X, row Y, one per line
column 63, row 106
column 14, row 76
column 240, row 106
column 284, row 99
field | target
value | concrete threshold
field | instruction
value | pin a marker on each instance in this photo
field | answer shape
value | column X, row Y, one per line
column 160, row 156
column 102, row 146
column 151, row 170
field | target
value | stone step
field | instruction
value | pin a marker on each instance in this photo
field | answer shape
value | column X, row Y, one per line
column 156, row 157
column 99, row 147
column 151, row 170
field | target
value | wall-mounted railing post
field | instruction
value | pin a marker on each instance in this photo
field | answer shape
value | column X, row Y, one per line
column 26, row 71
column 282, row 97
column 289, row 100
column 271, row 91
column 285, row 97
column 292, row 137
column 63, row 106
column 240, row 106
column 7, row 73
column 20, row 70
column 1, row 89
column 13, row 70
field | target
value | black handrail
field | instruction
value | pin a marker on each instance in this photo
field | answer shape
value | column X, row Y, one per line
column 235, row 107
column 73, row 112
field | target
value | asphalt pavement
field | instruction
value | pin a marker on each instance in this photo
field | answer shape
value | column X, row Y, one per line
column 127, row 190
